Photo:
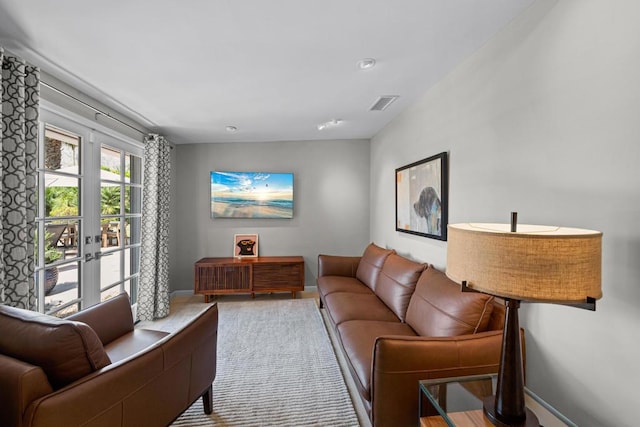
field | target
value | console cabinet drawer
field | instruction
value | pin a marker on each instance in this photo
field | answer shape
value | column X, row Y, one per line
column 224, row 278
column 278, row 276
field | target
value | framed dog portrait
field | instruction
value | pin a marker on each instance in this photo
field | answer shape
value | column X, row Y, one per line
column 245, row 245
column 422, row 197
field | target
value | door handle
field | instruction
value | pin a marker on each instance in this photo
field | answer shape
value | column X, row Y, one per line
column 96, row 256
column 99, row 255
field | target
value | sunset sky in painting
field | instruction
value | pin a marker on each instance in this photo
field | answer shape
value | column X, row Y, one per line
column 252, row 185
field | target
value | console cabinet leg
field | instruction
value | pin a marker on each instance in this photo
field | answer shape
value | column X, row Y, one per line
column 207, row 400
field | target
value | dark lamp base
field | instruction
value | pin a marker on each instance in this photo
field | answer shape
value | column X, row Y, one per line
column 529, row 419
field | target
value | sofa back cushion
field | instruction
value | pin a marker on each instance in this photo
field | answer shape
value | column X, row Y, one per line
column 109, row 319
column 371, row 264
column 65, row 350
column 396, row 283
column 438, row 307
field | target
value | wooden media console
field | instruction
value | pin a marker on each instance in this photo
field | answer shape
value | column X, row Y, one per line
column 218, row 276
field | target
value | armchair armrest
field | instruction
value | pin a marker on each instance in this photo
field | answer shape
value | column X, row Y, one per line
column 400, row 362
column 333, row 265
column 20, row 384
column 110, row 319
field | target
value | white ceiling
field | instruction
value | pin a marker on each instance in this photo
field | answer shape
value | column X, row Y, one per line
column 275, row 69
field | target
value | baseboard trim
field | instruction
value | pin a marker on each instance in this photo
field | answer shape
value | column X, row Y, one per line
column 180, row 292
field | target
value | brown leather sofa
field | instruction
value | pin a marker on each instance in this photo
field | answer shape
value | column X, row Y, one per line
column 398, row 322
column 95, row 369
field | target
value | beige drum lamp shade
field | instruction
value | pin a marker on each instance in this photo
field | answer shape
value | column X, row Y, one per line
column 523, row 263
column 534, row 263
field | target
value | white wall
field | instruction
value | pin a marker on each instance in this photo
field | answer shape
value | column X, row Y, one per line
column 331, row 202
column 544, row 120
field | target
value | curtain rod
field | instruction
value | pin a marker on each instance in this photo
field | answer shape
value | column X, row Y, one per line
column 42, row 82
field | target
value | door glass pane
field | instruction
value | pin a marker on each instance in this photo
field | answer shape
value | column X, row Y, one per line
column 133, row 168
column 61, row 288
column 110, row 164
column 109, row 269
column 131, row 261
column 133, row 196
column 109, row 199
column 132, row 231
column 110, row 233
column 62, row 197
column 60, row 241
column 61, row 151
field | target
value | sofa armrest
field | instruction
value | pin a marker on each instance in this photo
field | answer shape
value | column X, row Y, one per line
column 400, row 362
column 333, row 265
column 110, row 319
column 200, row 339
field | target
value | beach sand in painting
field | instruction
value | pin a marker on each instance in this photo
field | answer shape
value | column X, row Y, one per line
column 230, row 210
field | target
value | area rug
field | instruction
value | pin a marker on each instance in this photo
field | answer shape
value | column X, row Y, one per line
column 276, row 367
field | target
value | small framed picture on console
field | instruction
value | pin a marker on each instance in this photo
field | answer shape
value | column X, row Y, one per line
column 245, row 245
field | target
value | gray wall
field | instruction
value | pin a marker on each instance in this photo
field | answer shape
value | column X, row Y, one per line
column 544, row 120
column 331, row 202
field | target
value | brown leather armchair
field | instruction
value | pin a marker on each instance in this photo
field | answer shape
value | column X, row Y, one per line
column 96, row 369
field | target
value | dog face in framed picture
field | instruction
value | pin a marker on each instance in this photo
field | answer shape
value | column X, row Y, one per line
column 429, row 207
column 246, row 247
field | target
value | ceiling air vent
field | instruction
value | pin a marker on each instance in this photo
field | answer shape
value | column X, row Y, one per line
column 383, row 102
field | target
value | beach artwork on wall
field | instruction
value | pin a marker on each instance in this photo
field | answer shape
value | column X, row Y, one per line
column 251, row 195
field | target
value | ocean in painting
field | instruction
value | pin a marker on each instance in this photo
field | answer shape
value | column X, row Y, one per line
column 230, row 207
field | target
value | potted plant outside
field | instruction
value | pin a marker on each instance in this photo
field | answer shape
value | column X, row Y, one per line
column 51, row 255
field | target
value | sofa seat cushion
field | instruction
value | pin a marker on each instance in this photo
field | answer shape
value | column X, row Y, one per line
column 133, row 342
column 343, row 306
column 358, row 338
column 65, row 350
column 330, row 284
column 397, row 282
column 438, row 307
column 371, row 264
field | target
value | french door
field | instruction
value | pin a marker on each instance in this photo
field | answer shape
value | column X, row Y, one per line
column 89, row 214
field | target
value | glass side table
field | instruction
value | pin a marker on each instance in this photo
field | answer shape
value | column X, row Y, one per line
column 457, row 402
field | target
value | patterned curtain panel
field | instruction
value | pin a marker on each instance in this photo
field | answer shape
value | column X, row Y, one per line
column 19, row 150
column 153, row 291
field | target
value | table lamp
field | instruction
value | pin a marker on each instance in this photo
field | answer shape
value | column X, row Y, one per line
column 523, row 263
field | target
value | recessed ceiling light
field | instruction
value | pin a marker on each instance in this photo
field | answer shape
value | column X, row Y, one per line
column 330, row 123
column 366, row 63
column 231, row 129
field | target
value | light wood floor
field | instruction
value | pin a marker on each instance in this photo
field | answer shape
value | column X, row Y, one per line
column 185, row 306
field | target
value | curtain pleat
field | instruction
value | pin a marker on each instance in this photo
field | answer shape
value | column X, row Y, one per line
column 153, row 289
column 19, row 150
